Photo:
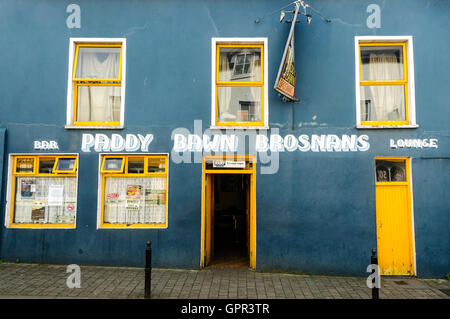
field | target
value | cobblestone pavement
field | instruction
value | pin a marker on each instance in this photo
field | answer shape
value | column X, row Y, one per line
column 49, row 281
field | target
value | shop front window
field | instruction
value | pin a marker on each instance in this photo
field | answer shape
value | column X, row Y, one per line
column 44, row 191
column 134, row 192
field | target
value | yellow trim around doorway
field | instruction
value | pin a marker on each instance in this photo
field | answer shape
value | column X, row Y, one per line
column 395, row 240
column 252, row 172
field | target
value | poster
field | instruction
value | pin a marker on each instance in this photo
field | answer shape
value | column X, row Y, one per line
column 27, row 188
column 286, row 82
column 55, row 195
column 38, row 211
column 134, row 191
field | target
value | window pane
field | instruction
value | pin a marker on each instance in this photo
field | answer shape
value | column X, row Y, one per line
column 98, row 103
column 136, row 165
column 135, row 200
column 65, row 164
column 239, row 104
column 383, row 103
column 98, row 63
column 390, row 171
column 156, row 165
column 25, row 165
column 382, row 63
column 240, row 64
column 113, row 164
column 46, row 165
column 36, row 202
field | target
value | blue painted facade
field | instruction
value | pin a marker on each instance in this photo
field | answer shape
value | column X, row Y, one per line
column 317, row 213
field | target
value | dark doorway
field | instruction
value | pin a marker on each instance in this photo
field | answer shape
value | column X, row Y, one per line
column 231, row 208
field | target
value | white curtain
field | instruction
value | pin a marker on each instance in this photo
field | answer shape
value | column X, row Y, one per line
column 224, row 97
column 386, row 102
column 32, row 196
column 148, row 207
column 95, row 103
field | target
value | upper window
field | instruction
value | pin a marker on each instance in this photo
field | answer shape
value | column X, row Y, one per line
column 96, row 87
column 385, row 89
column 43, row 191
column 240, row 83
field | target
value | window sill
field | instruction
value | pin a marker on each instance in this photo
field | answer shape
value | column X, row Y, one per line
column 92, row 127
column 16, row 226
column 374, row 127
column 130, row 227
column 265, row 127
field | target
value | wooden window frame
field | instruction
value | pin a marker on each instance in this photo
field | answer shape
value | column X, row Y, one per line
column 218, row 43
column 124, row 173
column 408, row 80
column 74, row 82
column 102, row 169
column 11, row 190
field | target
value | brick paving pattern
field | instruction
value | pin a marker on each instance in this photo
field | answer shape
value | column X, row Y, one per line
column 49, row 281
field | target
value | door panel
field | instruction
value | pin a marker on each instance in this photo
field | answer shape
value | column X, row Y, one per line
column 208, row 217
column 252, row 222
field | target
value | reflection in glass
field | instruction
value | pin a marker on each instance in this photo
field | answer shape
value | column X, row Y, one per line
column 383, row 63
column 390, row 171
column 239, row 104
column 239, row 64
column 98, row 103
column 46, row 165
column 25, row 165
column 113, row 164
column 383, row 103
column 65, row 164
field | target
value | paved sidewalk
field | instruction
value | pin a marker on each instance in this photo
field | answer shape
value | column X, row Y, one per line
column 49, row 281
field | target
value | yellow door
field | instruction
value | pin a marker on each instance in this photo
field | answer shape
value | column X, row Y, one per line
column 394, row 221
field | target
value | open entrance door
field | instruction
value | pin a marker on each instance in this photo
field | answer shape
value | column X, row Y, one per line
column 229, row 223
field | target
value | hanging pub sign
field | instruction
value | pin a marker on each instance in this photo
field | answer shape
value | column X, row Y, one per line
column 285, row 82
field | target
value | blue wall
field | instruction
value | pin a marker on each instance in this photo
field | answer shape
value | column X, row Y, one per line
column 322, row 218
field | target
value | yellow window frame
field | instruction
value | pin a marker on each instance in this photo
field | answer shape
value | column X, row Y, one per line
column 166, row 162
column 393, row 159
column 43, row 158
column 55, row 170
column 16, row 158
column 126, row 174
column 239, row 84
column 404, row 82
column 90, row 82
column 102, row 169
column 36, row 173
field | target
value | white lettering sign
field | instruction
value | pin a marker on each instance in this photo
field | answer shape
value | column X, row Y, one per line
column 46, row 145
column 115, row 143
column 274, row 143
column 414, row 143
column 229, row 164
